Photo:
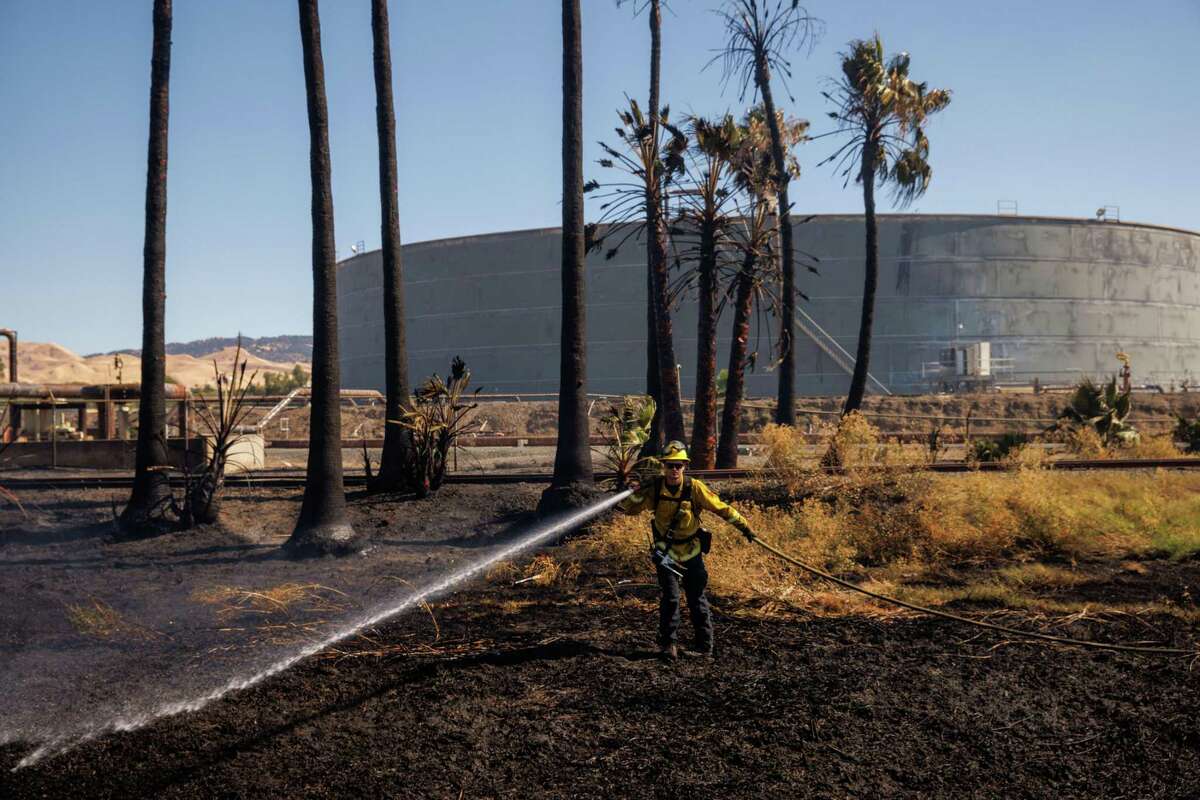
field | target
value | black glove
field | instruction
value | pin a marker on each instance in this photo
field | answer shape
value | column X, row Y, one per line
column 749, row 534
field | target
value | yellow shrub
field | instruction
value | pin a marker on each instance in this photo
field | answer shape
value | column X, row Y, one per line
column 1084, row 442
column 546, row 570
column 1151, row 447
column 786, row 457
column 1028, row 456
column 906, row 524
column 855, row 443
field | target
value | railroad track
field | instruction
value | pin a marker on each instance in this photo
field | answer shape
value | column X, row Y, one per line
column 268, row 479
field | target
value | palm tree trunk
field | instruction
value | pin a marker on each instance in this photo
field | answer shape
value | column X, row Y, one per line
column 669, row 412
column 323, row 527
column 654, row 443
column 671, row 409
column 727, row 447
column 704, row 421
column 785, row 410
column 149, row 503
column 862, row 357
column 572, row 459
column 397, row 440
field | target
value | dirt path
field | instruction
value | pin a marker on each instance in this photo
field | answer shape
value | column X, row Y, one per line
column 554, row 691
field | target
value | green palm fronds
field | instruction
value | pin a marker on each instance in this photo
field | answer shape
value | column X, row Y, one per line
column 1104, row 408
column 882, row 113
column 438, row 418
column 628, row 427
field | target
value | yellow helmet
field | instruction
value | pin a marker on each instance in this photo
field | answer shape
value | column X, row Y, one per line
column 675, row 451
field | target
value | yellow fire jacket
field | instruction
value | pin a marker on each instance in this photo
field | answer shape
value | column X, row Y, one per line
column 677, row 519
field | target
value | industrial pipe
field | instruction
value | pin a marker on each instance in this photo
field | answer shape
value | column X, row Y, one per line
column 129, row 391
column 34, row 390
column 14, row 413
column 11, row 335
column 117, row 391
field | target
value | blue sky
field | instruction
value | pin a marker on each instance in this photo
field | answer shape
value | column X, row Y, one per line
column 1063, row 106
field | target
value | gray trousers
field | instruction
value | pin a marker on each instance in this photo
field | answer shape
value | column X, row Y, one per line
column 695, row 579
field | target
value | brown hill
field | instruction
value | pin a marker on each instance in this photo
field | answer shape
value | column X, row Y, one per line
column 46, row 362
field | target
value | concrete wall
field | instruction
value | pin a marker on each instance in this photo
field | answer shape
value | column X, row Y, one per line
column 1058, row 297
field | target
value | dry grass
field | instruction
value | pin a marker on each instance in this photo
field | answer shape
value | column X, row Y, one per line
column 541, row 570
column 502, row 572
column 405, row 646
column 285, row 599
column 98, row 620
column 852, row 444
column 1083, row 442
column 290, row 613
column 1152, row 447
column 885, row 528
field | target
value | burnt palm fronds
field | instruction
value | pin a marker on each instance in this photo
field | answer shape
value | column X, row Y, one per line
column 759, row 36
column 705, row 193
column 651, row 158
column 705, row 200
column 651, row 153
column 223, row 424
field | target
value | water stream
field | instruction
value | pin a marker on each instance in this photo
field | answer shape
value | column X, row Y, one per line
column 133, row 721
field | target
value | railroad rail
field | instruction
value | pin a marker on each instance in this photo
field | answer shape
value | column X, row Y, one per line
column 276, row 479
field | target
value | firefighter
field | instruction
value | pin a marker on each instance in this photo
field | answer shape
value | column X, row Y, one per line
column 678, row 545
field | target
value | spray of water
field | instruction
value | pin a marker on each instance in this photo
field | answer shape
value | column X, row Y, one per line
column 61, row 744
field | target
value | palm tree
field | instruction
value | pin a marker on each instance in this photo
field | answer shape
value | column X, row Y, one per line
column 704, row 208
column 397, row 440
column 756, row 246
column 573, row 458
column 652, row 156
column 150, row 502
column 882, row 112
column 654, row 443
column 754, row 243
column 758, row 39
column 323, row 527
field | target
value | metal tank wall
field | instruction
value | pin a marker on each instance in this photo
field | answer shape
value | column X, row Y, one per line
column 1057, row 298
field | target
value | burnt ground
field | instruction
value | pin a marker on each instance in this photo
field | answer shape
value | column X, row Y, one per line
column 506, row 690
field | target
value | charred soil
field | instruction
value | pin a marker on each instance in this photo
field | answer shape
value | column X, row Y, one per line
column 552, row 688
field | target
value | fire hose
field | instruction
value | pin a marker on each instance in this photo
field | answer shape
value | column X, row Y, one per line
column 1123, row 648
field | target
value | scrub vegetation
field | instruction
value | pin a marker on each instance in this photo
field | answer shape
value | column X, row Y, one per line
column 1001, row 539
column 1011, row 539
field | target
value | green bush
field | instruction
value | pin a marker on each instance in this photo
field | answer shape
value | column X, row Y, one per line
column 997, row 449
column 1188, row 432
column 283, row 383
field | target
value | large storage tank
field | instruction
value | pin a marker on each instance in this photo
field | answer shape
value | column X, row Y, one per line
column 1055, row 299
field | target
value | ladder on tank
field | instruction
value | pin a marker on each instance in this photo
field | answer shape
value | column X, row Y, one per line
column 830, row 347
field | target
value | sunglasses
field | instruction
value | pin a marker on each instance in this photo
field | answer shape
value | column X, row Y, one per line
column 674, row 466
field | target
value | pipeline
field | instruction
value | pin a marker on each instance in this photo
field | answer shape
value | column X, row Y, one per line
column 14, row 412
column 1122, row 648
column 11, row 335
